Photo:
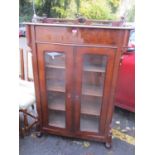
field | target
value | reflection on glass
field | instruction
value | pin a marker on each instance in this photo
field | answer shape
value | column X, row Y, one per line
column 95, row 63
column 94, row 68
column 55, row 59
column 55, row 84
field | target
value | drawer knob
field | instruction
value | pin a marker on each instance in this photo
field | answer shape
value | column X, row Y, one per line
column 74, row 31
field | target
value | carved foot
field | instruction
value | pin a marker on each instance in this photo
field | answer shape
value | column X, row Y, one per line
column 108, row 145
column 39, row 134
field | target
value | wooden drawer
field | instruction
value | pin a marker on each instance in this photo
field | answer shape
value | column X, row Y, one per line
column 79, row 35
column 96, row 36
column 55, row 34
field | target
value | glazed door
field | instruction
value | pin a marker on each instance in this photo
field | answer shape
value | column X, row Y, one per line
column 94, row 73
column 55, row 76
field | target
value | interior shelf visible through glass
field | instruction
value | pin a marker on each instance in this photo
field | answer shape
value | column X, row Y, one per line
column 92, row 90
column 94, row 69
column 92, row 83
column 91, row 105
column 89, row 123
column 57, row 86
column 57, row 118
column 56, row 101
column 55, row 79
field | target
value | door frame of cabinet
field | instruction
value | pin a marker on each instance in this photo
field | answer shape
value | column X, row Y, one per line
column 72, row 127
column 96, row 50
column 41, row 49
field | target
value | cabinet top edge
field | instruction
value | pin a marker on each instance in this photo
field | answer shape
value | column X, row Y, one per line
column 80, row 26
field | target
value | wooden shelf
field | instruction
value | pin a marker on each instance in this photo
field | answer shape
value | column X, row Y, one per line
column 90, row 124
column 55, row 74
column 57, row 104
column 91, row 108
column 57, row 119
column 59, row 87
column 92, row 91
column 56, row 66
column 94, row 69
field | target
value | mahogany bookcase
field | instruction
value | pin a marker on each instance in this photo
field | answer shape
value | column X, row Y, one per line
column 75, row 65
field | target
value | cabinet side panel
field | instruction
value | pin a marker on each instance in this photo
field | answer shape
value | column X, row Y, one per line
column 28, row 36
column 109, row 112
column 36, row 73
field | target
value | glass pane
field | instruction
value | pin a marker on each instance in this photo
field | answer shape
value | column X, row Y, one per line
column 95, row 63
column 57, row 119
column 92, row 83
column 55, row 59
column 56, row 101
column 89, row 123
column 91, row 105
column 55, row 84
column 94, row 67
column 55, row 79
